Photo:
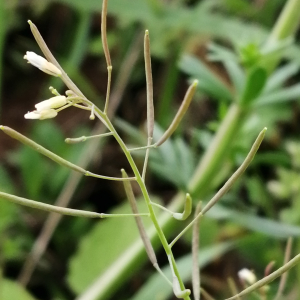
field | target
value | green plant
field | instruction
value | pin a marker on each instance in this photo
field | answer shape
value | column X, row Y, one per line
column 256, row 75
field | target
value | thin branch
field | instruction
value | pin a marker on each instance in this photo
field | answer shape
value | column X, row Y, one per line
column 228, row 184
column 85, row 138
column 266, row 280
column 142, row 148
column 284, row 276
column 109, row 71
column 237, row 173
column 28, row 142
column 109, row 178
column 139, row 222
column 62, row 210
column 146, row 158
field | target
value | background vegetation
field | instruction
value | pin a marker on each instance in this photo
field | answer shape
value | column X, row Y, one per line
column 223, row 45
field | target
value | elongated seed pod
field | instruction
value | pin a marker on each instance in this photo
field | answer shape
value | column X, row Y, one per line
column 181, row 112
column 28, row 142
column 236, row 175
column 195, row 251
column 61, row 210
column 48, row 207
column 139, row 222
column 103, row 33
column 50, row 57
column 149, row 84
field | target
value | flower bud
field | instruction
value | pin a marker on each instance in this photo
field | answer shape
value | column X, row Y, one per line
column 54, row 102
column 247, row 276
column 41, row 63
column 41, row 115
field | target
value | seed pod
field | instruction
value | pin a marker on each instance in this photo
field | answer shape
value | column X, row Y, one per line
column 149, row 83
column 182, row 110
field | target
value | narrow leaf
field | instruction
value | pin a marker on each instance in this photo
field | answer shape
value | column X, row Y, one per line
column 256, row 81
column 208, row 81
column 280, row 96
column 280, row 76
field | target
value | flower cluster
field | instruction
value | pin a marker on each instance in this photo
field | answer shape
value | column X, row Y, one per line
column 45, row 109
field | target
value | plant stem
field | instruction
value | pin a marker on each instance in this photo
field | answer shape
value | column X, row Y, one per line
column 143, row 188
column 200, row 184
column 287, row 22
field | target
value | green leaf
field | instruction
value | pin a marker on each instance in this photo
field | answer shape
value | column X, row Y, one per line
column 230, row 61
column 236, row 74
column 173, row 161
column 7, row 210
column 208, row 81
column 157, row 288
column 100, row 251
column 10, row 290
column 281, row 96
column 256, row 81
column 280, row 76
column 252, row 222
column 33, row 170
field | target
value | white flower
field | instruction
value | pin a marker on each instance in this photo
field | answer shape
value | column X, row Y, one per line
column 41, row 115
column 41, row 63
column 54, row 102
column 247, row 276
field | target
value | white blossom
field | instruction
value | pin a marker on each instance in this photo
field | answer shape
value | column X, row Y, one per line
column 41, row 63
column 54, row 102
column 41, row 115
column 247, row 276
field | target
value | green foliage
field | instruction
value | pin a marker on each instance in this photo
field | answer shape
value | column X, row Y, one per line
column 262, row 93
column 208, row 81
column 11, row 290
column 286, row 187
column 108, row 239
column 155, row 288
column 255, row 83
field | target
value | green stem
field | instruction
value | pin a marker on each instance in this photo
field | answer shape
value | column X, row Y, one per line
column 287, row 22
column 208, row 167
column 143, row 188
column 285, row 27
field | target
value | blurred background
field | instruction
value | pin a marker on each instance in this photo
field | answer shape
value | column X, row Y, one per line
column 220, row 43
